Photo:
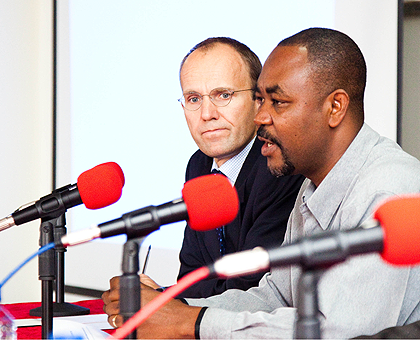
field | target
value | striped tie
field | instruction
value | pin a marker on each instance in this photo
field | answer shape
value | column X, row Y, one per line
column 221, row 230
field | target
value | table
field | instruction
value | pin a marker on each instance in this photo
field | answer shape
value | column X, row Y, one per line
column 21, row 311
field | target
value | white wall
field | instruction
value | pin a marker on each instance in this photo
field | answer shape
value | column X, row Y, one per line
column 373, row 25
column 25, row 134
column 410, row 136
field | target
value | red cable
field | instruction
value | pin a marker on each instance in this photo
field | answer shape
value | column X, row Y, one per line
column 159, row 301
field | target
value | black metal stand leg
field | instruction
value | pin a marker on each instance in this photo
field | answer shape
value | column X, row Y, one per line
column 59, row 231
column 130, row 282
column 59, row 289
column 47, row 308
column 308, row 324
column 60, row 307
column 46, row 275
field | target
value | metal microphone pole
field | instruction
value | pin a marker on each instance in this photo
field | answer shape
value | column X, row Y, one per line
column 46, row 270
column 130, row 282
column 50, row 268
column 62, row 308
column 308, row 325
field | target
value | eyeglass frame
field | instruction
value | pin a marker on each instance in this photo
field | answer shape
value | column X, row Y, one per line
column 182, row 99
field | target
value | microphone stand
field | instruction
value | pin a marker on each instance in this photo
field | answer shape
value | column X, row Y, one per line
column 46, row 270
column 308, row 325
column 51, row 263
column 130, row 281
column 60, row 307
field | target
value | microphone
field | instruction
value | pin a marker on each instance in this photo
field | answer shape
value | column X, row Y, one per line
column 394, row 233
column 207, row 202
column 96, row 188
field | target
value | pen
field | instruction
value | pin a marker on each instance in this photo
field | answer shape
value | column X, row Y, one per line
column 146, row 259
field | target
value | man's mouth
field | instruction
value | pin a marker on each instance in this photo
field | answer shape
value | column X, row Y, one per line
column 214, row 129
column 267, row 142
column 264, row 136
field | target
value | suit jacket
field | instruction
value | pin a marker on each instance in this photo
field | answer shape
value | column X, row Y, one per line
column 265, row 205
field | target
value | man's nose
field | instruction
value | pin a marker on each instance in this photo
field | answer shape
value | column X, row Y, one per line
column 208, row 109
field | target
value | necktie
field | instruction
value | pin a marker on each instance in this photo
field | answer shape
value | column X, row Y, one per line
column 221, row 230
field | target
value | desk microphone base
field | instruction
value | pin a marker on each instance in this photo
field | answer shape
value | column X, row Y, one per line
column 62, row 309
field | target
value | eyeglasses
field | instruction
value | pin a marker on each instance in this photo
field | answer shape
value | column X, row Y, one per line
column 220, row 97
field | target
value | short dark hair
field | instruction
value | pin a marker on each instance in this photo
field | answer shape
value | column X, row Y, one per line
column 336, row 62
column 249, row 57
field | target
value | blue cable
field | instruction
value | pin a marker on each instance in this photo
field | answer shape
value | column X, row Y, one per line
column 40, row 251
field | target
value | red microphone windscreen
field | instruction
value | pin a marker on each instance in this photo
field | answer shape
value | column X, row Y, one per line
column 101, row 185
column 117, row 169
column 400, row 220
column 211, row 202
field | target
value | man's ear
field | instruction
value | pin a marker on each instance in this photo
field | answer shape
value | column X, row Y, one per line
column 338, row 102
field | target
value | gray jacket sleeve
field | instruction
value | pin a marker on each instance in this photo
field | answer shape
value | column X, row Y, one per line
column 241, row 314
column 263, row 312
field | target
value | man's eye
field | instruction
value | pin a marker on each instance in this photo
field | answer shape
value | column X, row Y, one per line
column 278, row 102
column 193, row 99
column 224, row 95
column 258, row 99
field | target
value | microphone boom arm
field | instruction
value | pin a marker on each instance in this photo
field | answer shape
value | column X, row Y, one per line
column 142, row 222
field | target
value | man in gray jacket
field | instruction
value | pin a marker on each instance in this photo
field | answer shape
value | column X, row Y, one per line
column 311, row 120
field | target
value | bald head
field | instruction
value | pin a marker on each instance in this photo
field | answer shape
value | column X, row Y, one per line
column 250, row 59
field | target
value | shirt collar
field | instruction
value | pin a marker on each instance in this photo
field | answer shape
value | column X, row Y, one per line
column 232, row 166
column 324, row 201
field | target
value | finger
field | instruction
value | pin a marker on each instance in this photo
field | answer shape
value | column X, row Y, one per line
column 105, row 297
column 115, row 320
column 112, row 308
column 114, row 295
column 114, row 283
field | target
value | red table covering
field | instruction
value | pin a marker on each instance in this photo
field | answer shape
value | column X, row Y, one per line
column 21, row 311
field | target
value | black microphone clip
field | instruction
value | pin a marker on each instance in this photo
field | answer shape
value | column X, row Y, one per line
column 50, row 206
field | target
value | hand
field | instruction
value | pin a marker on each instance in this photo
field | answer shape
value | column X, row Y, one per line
column 174, row 320
column 146, row 280
column 111, row 299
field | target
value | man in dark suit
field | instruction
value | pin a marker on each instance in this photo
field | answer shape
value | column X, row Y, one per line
column 217, row 78
column 265, row 205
